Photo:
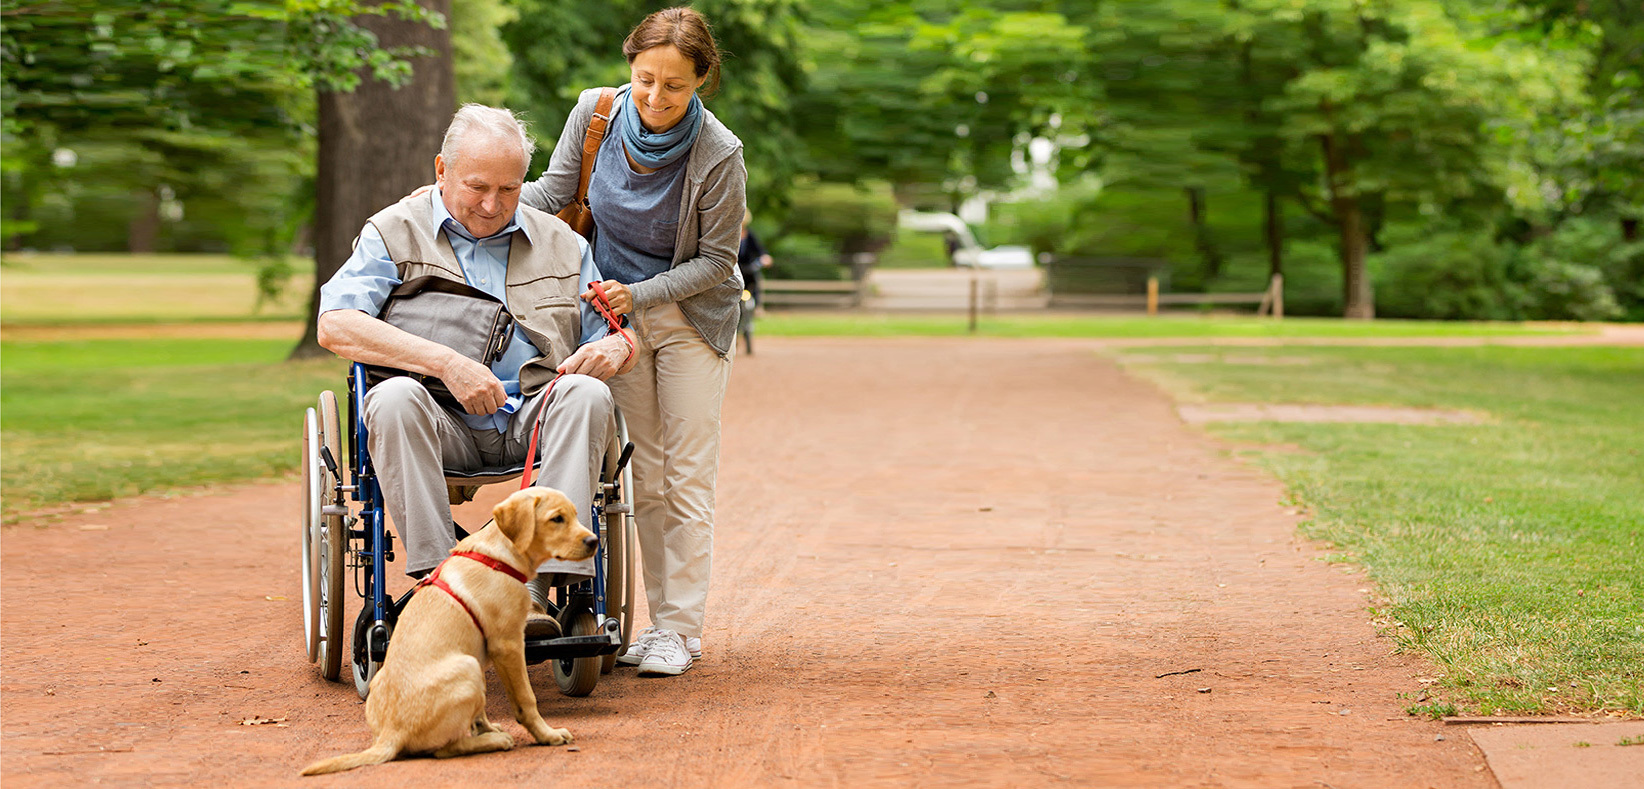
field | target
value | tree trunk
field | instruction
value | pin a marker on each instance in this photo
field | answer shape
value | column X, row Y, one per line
column 1349, row 214
column 1629, row 229
column 1202, row 239
column 377, row 144
column 1273, row 230
column 144, row 229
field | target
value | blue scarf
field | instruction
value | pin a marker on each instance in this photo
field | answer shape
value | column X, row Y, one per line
column 650, row 149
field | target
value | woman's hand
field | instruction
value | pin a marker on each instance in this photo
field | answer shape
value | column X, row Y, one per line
column 622, row 301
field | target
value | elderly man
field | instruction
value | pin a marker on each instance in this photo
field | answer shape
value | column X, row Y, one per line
column 470, row 227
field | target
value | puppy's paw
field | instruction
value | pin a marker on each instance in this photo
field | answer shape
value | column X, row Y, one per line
column 553, row 736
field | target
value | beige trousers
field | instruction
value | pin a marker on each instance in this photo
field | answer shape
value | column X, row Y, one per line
column 671, row 401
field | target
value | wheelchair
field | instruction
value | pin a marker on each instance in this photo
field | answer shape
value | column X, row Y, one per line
column 345, row 540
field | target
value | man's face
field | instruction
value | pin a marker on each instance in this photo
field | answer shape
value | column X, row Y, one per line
column 481, row 188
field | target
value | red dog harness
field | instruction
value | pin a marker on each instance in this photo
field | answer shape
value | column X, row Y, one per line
column 434, row 579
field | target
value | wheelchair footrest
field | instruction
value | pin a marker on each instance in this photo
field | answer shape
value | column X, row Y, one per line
column 537, row 651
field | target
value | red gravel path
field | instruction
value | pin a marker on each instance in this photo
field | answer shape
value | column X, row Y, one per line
column 940, row 563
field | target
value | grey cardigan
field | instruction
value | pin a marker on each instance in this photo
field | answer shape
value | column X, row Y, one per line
column 704, row 278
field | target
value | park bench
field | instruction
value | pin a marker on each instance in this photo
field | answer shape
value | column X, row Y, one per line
column 1130, row 283
column 822, row 292
column 813, row 292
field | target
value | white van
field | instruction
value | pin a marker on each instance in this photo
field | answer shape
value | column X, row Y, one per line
column 969, row 253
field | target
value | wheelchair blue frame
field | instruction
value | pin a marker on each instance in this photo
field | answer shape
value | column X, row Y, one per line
column 374, row 626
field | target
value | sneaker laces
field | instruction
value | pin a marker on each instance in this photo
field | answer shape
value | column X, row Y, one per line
column 642, row 641
column 669, row 647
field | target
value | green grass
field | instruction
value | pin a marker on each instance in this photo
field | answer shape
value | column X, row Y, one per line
column 98, row 419
column 1511, row 553
column 780, row 323
column 63, row 289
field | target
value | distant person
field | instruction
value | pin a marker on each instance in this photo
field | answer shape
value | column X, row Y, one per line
column 752, row 258
column 667, row 194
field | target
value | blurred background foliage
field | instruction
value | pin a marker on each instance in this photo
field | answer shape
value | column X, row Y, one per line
column 1406, row 158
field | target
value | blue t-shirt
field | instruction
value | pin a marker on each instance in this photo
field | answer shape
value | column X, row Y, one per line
column 637, row 215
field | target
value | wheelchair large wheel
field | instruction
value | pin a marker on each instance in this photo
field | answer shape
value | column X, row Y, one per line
column 621, row 545
column 312, row 502
column 616, row 584
column 578, row 676
column 332, row 544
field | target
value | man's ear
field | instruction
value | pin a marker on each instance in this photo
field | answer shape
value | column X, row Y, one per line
column 439, row 170
column 517, row 517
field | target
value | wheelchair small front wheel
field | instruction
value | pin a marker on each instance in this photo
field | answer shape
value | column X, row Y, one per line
column 578, row 676
column 368, row 635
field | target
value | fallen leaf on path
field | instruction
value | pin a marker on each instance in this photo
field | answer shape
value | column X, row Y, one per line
column 276, row 597
column 263, row 722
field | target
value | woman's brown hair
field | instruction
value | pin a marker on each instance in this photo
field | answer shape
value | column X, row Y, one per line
column 687, row 31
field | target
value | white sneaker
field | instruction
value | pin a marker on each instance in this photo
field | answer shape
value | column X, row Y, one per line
column 665, row 655
column 636, row 649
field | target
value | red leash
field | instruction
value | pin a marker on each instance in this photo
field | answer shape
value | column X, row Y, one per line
column 602, row 305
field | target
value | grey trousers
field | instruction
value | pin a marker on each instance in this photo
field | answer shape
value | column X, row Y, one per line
column 413, row 439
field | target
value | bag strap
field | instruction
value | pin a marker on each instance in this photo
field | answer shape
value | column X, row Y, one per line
column 593, row 137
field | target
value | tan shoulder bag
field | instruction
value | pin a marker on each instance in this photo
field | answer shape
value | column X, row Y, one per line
column 577, row 214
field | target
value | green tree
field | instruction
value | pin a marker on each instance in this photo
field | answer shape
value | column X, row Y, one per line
column 937, row 94
column 483, row 64
column 1392, row 104
column 171, row 95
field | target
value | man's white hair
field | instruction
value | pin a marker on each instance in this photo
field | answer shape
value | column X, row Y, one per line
column 477, row 122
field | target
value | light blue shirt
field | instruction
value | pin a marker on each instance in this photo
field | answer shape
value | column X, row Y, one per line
column 365, row 280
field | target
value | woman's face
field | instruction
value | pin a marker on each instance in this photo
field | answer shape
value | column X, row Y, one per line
column 664, row 80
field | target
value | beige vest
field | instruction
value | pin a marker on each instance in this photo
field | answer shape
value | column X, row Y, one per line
column 543, row 273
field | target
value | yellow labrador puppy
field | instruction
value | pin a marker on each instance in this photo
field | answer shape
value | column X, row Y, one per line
column 429, row 695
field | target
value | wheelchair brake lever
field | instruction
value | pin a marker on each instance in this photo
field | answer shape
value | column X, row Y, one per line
column 622, row 460
column 330, row 462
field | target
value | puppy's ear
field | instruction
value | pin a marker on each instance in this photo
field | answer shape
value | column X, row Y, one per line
column 517, row 517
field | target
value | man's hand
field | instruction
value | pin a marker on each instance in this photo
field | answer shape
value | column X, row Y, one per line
column 621, row 299
column 601, row 359
column 473, row 384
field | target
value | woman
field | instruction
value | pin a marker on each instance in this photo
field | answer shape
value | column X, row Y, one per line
column 667, row 196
